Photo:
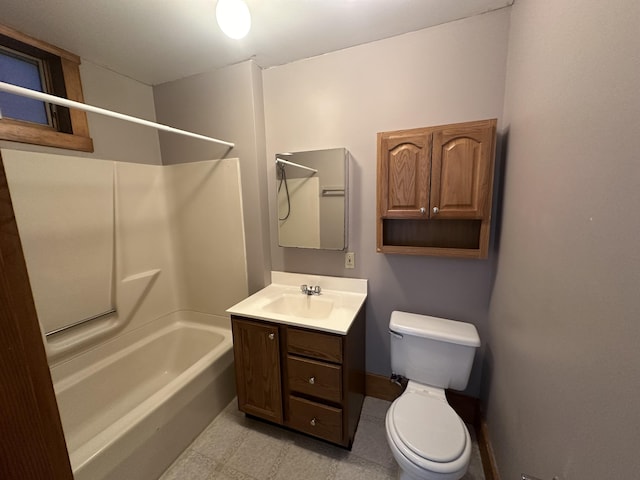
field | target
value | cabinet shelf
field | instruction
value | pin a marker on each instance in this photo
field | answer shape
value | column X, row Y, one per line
column 461, row 234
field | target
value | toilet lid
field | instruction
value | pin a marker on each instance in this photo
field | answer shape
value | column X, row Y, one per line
column 429, row 427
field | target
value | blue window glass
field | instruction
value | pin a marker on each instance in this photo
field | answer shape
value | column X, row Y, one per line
column 23, row 72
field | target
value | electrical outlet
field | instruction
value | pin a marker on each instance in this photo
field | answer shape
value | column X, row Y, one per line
column 349, row 260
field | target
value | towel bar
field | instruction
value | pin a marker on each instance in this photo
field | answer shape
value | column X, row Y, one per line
column 75, row 324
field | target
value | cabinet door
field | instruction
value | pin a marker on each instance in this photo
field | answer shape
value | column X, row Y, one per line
column 403, row 174
column 256, row 348
column 461, row 170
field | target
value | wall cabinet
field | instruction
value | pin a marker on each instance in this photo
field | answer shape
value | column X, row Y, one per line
column 434, row 189
column 307, row 380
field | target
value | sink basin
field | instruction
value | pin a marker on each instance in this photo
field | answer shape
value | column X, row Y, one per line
column 334, row 310
column 300, row 305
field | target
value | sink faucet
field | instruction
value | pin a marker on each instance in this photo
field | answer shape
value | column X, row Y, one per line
column 310, row 289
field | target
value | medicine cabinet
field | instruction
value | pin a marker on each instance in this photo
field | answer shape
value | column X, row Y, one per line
column 312, row 195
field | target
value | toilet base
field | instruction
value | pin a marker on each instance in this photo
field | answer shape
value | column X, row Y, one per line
column 404, row 475
column 426, row 475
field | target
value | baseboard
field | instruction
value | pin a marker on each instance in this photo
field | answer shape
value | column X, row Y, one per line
column 486, row 452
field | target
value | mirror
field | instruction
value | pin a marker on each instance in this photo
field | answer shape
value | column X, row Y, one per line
column 312, row 199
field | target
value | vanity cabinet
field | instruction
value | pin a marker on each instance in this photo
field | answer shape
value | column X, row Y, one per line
column 434, row 190
column 304, row 379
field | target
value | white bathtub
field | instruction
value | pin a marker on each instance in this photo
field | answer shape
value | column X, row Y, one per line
column 130, row 407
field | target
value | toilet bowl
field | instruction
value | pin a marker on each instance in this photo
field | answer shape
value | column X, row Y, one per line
column 426, row 436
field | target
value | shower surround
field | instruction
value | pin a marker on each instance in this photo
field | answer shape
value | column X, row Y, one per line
column 172, row 241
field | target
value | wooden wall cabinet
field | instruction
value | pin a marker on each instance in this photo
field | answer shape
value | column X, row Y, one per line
column 307, row 380
column 434, row 190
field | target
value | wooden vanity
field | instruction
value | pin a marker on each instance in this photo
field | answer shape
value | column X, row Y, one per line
column 304, row 379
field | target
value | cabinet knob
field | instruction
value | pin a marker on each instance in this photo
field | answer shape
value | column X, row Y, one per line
column 272, row 336
column 422, row 210
column 313, row 422
column 312, row 380
column 436, row 209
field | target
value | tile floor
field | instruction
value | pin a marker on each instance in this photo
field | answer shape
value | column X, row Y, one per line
column 236, row 447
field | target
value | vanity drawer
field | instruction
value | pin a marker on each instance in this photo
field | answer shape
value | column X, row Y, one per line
column 315, row 344
column 315, row 419
column 319, row 379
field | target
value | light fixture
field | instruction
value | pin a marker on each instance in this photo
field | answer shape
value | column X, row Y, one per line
column 234, row 18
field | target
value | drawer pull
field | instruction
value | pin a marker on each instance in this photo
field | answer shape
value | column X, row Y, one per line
column 313, row 422
column 271, row 336
column 312, row 380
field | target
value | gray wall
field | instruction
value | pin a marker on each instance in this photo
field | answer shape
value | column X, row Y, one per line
column 450, row 73
column 225, row 104
column 563, row 387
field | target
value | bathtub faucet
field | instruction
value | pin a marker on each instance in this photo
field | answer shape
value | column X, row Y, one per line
column 310, row 289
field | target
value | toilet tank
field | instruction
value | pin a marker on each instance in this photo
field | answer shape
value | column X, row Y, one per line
column 432, row 351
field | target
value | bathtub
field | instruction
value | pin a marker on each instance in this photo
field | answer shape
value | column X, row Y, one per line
column 130, row 406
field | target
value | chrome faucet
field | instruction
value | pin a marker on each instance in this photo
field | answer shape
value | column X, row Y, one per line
column 310, row 289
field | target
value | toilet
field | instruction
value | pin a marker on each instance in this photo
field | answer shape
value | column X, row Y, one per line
column 426, row 436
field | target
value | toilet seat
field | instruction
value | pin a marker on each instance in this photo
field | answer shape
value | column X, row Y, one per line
column 428, row 427
column 456, row 446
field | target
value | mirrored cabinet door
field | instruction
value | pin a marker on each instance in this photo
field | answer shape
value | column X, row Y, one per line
column 312, row 190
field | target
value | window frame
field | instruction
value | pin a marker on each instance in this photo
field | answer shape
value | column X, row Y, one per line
column 72, row 128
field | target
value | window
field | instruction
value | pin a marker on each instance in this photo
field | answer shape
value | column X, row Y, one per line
column 36, row 65
column 25, row 71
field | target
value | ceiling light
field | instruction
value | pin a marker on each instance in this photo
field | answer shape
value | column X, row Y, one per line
column 234, row 18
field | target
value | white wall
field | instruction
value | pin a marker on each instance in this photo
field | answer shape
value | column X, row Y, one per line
column 64, row 207
column 112, row 139
column 140, row 279
column 446, row 74
column 205, row 214
column 564, row 330
column 173, row 240
column 143, row 244
column 225, row 104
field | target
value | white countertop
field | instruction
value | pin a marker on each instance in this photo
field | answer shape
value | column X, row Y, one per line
column 347, row 295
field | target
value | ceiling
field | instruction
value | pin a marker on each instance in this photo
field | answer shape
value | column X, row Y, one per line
column 156, row 41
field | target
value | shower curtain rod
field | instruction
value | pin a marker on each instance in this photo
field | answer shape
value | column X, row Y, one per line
column 45, row 97
column 280, row 160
